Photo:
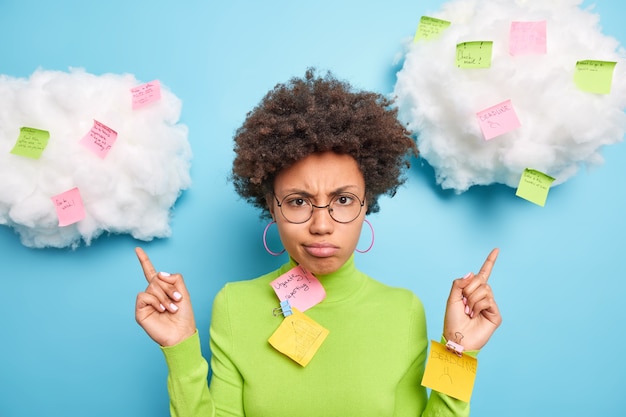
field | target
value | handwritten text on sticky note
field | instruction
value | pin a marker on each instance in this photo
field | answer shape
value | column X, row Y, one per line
column 498, row 120
column 300, row 287
column 99, row 139
column 69, row 207
column 594, row 76
column 430, row 28
column 534, row 186
column 146, row 93
column 450, row 374
column 31, row 142
column 476, row 54
column 528, row 38
column 299, row 337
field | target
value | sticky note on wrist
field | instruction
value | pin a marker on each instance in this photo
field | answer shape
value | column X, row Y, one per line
column 450, row 374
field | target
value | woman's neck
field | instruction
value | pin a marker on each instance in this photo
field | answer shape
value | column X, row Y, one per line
column 341, row 283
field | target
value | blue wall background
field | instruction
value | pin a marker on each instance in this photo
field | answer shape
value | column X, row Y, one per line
column 69, row 345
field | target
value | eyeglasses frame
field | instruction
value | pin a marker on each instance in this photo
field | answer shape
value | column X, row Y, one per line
column 313, row 207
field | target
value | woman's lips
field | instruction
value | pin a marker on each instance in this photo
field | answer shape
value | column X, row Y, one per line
column 321, row 250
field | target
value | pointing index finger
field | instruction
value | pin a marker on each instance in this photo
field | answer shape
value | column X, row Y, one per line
column 485, row 270
column 148, row 269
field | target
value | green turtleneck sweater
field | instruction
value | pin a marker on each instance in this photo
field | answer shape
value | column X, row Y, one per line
column 371, row 363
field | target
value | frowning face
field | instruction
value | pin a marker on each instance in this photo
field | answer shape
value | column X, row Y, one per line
column 320, row 244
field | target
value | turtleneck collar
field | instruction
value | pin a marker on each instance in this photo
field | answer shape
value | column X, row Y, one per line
column 341, row 284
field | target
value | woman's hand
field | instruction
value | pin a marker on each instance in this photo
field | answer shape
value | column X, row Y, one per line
column 472, row 314
column 164, row 308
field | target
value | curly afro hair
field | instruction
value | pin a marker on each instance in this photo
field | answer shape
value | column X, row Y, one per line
column 318, row 114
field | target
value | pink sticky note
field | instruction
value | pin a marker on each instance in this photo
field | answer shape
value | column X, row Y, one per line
column 498, row 120
column 99, row 139
column 527, row 38
column 69, row 206
column 300, row 287
column 146, row 93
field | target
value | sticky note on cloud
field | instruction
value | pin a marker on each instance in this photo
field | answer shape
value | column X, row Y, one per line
column 69, row 207
column 534, row 186
column 594, row 76
column 31, row 142
column 146, row 165
column 430, row 28
column 145, row 94
column 99, row 139
column 475, row 54
column 498, row 120
column 528, row 38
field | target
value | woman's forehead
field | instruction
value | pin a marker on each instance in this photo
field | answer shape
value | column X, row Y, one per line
column 321, row 173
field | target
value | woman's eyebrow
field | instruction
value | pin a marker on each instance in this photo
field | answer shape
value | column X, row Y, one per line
column 346, row 188
column 304, row 193
column 299, row 191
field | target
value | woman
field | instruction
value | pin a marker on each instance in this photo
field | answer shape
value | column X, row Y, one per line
column 314, row 156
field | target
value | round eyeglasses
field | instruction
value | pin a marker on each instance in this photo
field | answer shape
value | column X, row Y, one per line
column 343, row 207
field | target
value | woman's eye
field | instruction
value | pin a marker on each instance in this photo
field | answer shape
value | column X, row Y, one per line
column 344, row 200
column 298, row 202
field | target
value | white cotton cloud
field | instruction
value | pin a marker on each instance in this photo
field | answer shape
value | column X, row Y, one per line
column 562, row 128
column 130, row 190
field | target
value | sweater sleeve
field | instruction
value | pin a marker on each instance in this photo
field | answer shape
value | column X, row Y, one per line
column 440, row 405
column 226, row 380
column 187, row 379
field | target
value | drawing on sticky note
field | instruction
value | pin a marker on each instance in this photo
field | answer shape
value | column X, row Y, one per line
column 498, row 120
column 305, row 336
column 450, row 374
column 298, row 337
column 446, row 375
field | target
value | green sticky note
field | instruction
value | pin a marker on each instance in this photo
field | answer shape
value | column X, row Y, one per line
column 594, row 76
column 430, row 28
column 31, row 142
column 475, row 54
column 534, row 186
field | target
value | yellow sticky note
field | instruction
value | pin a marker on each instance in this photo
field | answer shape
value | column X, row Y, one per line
column 476, row 54
column 31, row 142
column 430, row 28
column 534, row 186
column 594, row 76
column 299, row 337
column 449, row 373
